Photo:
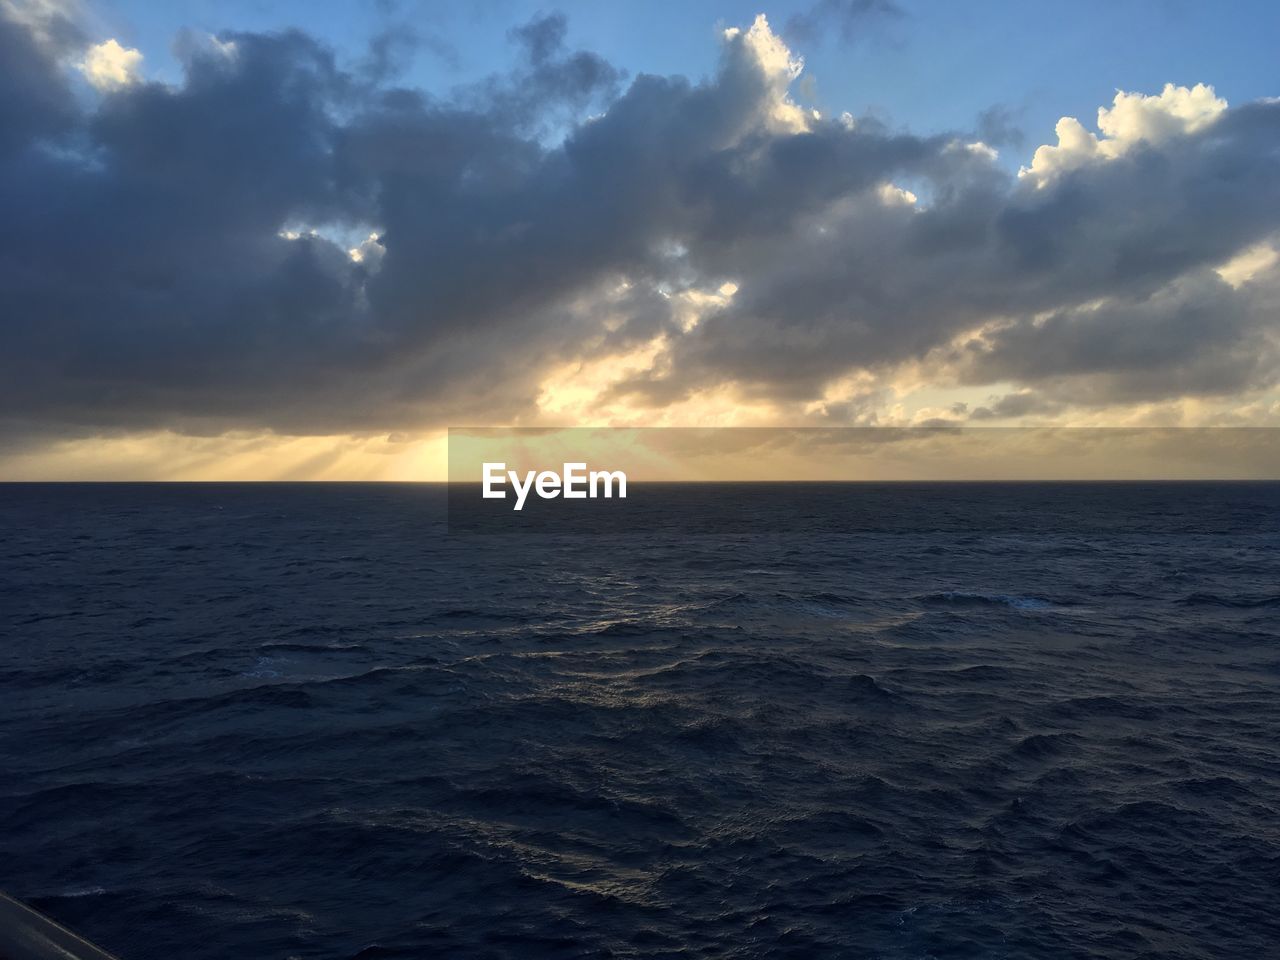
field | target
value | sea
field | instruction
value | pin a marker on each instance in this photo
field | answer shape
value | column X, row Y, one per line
column 892, row 721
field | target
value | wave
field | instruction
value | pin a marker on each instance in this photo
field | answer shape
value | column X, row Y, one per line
column 1044, row 746
column 961, row 598
column 291, row 647
column 1242, row 602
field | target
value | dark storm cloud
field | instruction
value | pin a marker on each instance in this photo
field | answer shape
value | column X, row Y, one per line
column 34, row 99
column 145, row 278
column 1196, row 336
column 158, row 269
column 1008, row 406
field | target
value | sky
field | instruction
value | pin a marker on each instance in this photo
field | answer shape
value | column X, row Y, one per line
column 287, row 240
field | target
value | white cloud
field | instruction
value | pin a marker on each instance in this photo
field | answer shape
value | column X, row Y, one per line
column 1133, row 118
column 1250, row 264
column 893, row 195
column 780, row 68
column 368, row 252
column 109, row 66
column 977, row 149
column 224, row 48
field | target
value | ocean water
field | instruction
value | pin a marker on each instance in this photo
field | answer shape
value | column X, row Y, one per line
column 865, row 721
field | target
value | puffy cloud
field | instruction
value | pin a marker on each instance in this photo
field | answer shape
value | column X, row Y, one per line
column 1133, row 119
column 279, row 243
column 763, row 53
column 109, row 66
column 1120, row 256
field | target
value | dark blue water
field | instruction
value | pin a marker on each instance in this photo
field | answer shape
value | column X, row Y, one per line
column 244, row 721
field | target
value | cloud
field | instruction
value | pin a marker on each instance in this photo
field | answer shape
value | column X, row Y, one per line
column 1009, row 406
column 1113, row 257
column 34, row 99
column 998, row 126
column 277, row 243
column 109, row 66
column 850, row 19
column 762, row 53
column 1196, row 335
column 1133, row 119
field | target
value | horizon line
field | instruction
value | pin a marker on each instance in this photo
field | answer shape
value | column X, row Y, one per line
column 476, row 483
